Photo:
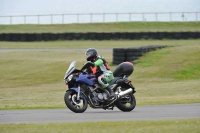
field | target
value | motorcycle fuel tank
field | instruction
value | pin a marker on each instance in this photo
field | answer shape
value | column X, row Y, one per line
column 88, row 79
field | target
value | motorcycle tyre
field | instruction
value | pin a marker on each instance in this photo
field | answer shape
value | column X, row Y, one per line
column 70, row 106
column 124, row 108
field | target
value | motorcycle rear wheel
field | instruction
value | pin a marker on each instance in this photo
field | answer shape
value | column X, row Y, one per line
column 73, row 104
column 126, row 103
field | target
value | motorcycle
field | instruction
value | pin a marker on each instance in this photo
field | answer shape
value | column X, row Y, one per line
column 83, row 89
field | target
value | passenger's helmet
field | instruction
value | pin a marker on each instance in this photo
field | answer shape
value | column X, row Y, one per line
column 91, row 54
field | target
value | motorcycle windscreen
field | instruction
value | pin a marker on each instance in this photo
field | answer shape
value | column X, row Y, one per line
column 71, row 68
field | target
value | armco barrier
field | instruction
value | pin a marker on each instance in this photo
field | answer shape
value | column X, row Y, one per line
column 98, row 36
column 130, row 54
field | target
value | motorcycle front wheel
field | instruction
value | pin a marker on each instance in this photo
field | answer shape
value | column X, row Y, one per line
column 77, row 106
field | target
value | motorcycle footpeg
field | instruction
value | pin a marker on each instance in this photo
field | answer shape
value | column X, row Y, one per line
column 110, row 102
column 113, row 98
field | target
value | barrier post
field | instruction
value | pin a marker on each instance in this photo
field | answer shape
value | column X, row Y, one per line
column 156, row 16
column 170, row 15
column 10, row 19
column 116, row 17
column 91, row 18
column 63, row 18
column 143, row 17
column 77, row 18
column 183, row 16
column 196, row 17
column 24, row 19
column 103, row 17
column 51, row 19
column 38, row 19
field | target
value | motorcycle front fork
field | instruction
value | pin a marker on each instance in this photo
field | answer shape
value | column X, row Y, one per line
column 78, row 94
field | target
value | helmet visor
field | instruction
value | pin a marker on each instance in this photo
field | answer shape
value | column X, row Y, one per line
column 88, row 54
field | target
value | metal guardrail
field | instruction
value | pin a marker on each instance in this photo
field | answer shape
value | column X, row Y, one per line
column 101, row 17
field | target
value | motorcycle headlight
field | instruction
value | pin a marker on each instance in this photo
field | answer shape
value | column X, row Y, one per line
column 70, row 78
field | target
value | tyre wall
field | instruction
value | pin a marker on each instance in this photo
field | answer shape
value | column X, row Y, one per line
column 130, row 54
column 23, row 37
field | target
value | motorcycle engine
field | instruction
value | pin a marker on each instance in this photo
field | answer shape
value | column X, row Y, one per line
column 100, row 97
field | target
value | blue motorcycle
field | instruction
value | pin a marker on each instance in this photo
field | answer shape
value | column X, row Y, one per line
column 83, row 89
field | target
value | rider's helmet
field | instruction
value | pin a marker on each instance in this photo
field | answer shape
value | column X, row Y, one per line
column 91, row 54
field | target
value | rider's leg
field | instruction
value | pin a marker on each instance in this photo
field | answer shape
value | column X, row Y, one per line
column 103, row 80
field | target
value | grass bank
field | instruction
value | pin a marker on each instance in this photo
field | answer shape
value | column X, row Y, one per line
column 34, row 79
column 164, row 126
column 96, row 44
column 103, row 27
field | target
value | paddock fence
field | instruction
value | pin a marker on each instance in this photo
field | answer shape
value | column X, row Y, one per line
column 101, row 18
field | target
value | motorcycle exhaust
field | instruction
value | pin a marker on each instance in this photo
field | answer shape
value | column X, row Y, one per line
column 123, row 93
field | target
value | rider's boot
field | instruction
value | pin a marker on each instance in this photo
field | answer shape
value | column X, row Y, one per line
column 112, row 95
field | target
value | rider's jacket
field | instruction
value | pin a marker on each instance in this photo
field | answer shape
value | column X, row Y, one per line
column 100, row 66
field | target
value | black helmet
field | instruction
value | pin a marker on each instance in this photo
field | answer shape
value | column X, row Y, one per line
column 91, row 53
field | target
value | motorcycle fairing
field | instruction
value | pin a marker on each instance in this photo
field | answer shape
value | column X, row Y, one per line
column 74, row 88
column 86, row 79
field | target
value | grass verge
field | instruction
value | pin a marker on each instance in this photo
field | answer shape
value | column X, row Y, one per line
column 164, row 126
column 103, row 27
column 96, row 44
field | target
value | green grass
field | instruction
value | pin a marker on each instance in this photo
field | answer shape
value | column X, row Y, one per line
column 35, row 79
column 103, row 27
column 97, row 44
column 177, row 62
column 164, row 126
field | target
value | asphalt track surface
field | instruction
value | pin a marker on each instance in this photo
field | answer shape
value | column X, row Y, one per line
column 154, row 112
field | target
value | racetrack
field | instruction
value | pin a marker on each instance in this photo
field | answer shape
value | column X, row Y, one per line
column 154, row 112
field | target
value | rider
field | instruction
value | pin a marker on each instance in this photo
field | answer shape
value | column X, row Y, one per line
column 100, row 68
